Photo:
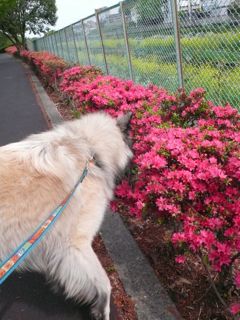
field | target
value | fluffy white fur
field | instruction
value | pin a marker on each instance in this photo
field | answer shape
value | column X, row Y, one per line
column 35, row 176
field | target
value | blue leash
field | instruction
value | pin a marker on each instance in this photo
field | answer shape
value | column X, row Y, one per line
column 19, row 255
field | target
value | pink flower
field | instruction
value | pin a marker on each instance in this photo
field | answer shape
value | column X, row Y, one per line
column 237, row 280
column 178, row 237
column 235, row 308
column 180, row 259
column 186, row 162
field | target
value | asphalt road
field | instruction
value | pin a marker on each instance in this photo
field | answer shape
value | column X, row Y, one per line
column 20, row 114
column 27, row 296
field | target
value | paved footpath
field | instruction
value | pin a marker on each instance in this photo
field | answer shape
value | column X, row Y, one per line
column 26, row 297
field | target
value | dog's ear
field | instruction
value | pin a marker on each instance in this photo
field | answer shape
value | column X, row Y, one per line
column 124, row 122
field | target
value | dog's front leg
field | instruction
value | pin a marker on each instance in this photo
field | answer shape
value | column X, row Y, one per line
column 83, row 278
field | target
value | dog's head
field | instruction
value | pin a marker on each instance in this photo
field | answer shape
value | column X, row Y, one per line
column 107, row 139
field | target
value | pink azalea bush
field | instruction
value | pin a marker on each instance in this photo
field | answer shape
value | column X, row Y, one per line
column 47, row 65
column 235, row 308
column 77, row 73
column 186, row 167
column 109, row 94
column 11, row 50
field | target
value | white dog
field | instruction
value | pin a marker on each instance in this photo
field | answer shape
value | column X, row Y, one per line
column 36, row 174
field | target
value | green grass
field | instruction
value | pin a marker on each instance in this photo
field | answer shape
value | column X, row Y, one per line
column 222, row 86
column 210, row 60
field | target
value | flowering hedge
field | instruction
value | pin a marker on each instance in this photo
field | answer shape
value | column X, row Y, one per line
column 11, row 50
column 186, row 167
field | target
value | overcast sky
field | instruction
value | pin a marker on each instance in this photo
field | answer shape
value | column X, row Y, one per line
column 70, row 11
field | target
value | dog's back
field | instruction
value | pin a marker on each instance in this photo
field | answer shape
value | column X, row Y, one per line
column 37, row 174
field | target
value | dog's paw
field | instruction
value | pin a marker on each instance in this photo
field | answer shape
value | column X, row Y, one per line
column 97, row 315
column 100, row 312
column 100, row 309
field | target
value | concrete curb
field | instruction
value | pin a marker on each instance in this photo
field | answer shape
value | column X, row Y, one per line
column 49, row 108
column 138, row 278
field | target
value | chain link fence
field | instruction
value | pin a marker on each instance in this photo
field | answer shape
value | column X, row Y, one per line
column 170, row 43
column 210, row 42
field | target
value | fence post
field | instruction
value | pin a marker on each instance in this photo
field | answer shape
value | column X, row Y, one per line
column 126, row 41
column 68, row 50
column 42, row 45
column 46, row 43
column 177, row 42
column 190, row 10
column 75, row 45
column 37, row 44
column 51, row 41
column 86, row 44
column 34, row 45
column 101, row 38
column 49, row 44
column 60, row 38
column 56, row 44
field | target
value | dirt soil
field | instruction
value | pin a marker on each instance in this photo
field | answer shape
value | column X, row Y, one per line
column 123, row 303
column 187, row 284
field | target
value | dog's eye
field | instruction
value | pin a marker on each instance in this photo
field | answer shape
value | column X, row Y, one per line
column 128, row 140
column 123, row 122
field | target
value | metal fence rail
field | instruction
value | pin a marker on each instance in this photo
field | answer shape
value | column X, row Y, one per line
column 171, row 43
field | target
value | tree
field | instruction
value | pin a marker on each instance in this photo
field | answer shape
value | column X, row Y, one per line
column 151, row 11
column 20, row 16
column 4, row 42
